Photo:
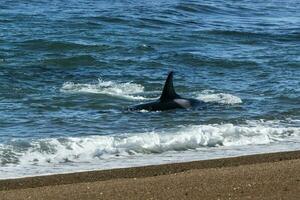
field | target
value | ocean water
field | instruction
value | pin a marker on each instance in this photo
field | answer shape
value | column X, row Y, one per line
column 69, row 70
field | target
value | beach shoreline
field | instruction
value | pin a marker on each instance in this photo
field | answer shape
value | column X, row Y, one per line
column 218, row 179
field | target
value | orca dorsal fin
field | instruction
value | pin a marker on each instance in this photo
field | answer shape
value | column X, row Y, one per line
column 168, row 91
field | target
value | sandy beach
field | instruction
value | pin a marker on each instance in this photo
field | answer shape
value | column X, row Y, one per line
column 263, row 176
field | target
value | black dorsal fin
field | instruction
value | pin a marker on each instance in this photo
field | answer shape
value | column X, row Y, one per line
column 168, row 91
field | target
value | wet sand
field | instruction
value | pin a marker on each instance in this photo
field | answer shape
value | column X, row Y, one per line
column 264, row 176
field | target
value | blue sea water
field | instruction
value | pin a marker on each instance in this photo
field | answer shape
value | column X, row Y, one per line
column 68, row 70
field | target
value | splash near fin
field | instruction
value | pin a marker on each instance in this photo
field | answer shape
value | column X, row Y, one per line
column 168, row 91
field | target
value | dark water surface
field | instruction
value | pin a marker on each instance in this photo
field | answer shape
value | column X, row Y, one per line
column 69, row 68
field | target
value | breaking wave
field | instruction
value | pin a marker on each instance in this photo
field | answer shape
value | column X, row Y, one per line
column 221, row 98
column 132, row 91
column 91, row 148
column 122, row 90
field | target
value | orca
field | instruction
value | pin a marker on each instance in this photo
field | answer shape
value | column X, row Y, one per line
column 168, row 100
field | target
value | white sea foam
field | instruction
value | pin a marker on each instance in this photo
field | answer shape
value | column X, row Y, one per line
column 122, row 90
column 187, row 143
column 86, row 149
column 132, row 91
column 222, row 98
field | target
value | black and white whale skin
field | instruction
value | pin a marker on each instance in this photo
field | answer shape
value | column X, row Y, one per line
column 168, row 100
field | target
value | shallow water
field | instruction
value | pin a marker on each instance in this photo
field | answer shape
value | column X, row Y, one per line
column 68, row 69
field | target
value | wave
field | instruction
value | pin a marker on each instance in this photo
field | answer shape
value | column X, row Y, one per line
column 123, row 90
column 110, row 19
column 49, row 45
column 198, row 60
column 199, row 8
column 194, row 137
column 222, row 98
column 131, row 91
column 73, row 61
